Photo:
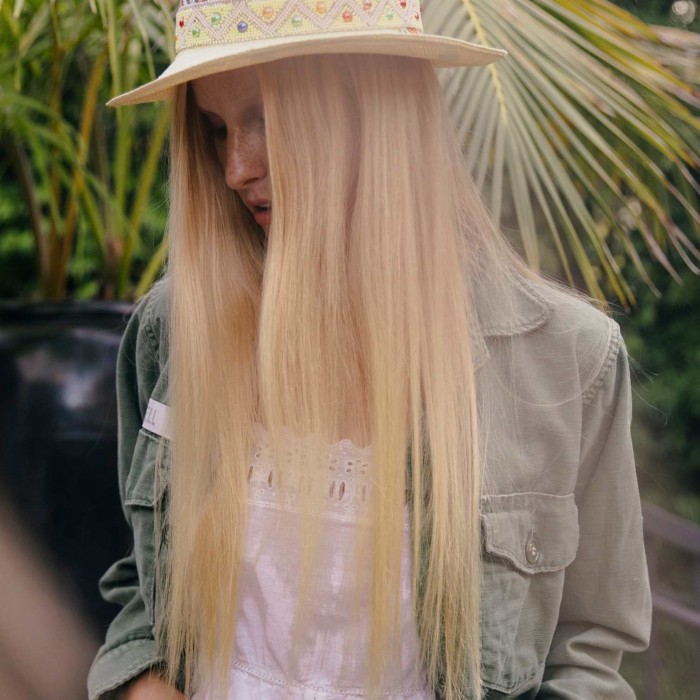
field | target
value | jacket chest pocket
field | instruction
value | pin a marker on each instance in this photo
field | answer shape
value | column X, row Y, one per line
column 528, row 541
column 144, row 491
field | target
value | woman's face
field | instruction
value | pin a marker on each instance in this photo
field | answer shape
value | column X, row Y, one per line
column 231, row 103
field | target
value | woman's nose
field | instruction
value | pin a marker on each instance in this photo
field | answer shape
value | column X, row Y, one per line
column 246, row 162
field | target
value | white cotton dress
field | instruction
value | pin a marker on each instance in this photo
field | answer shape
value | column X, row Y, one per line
column 332, row 659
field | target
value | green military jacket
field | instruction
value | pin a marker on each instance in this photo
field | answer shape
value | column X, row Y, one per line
column 565, row 585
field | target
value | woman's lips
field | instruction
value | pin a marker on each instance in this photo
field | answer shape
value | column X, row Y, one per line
column 261, row 211
column 262, row 216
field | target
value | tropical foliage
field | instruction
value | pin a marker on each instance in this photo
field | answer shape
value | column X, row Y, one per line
column 581, row 132
column 582, row 141
column 681, row 13
column 84, row 172
column 663, row 338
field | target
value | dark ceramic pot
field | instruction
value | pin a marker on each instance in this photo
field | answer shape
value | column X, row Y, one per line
column 58, row 437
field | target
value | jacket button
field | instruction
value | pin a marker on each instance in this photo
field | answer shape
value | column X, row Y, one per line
column 532, row 550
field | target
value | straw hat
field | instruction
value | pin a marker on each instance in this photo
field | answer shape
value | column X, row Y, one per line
column 219, row 35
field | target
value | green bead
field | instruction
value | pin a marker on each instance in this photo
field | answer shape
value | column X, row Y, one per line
column 195, row 32
column 297, row 21
column 390, row 15
column 216, row 18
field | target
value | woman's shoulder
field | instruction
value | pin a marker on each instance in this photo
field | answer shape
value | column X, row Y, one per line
column 574, row 318
column 586, row 330
column 149, row 323
column 551, row 332
column 154, row 306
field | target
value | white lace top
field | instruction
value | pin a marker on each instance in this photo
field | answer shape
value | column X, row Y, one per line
column 332, row 660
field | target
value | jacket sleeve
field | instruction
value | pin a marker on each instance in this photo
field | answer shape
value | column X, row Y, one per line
column 129, row 646
column 606, row 604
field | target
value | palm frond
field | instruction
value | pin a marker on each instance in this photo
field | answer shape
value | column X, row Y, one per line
column 578, row 122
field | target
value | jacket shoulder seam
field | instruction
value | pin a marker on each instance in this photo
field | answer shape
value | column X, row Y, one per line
column 149, row 318
column 614, row 345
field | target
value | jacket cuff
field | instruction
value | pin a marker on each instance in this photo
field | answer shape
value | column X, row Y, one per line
column 111, row 669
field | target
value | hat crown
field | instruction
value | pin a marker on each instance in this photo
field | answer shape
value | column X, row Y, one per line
column 213, row 36
column 207, row 22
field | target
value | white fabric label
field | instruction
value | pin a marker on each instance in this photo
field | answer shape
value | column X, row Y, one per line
column 156, row 418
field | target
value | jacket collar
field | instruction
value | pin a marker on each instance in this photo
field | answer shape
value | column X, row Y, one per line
column 506, row 306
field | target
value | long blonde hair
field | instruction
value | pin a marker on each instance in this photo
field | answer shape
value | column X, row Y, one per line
column 353, row 319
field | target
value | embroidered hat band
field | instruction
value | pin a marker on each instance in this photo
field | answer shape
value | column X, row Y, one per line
column 212, row 36
column 203, row 23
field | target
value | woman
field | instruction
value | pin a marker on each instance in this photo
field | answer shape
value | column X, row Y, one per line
column 337, row 303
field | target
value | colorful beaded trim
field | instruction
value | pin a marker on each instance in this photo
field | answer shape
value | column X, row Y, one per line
column 206, row 22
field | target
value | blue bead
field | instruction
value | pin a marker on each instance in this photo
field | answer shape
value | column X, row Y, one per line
column 242, row 27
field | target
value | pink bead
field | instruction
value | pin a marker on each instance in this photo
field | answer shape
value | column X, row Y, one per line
column 347, row 16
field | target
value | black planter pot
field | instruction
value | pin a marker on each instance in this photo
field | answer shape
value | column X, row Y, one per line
column 58, row 437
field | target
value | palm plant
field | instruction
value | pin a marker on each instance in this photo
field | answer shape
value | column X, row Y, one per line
column 581, row 139
column 582, row 129
column 59, row 63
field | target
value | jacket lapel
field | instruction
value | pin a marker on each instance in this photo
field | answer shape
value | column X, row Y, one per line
column 506, row 305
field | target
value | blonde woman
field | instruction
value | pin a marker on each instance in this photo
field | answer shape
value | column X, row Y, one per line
column 365, row 452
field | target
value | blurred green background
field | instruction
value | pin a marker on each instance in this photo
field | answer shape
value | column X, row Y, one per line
column 663, row 337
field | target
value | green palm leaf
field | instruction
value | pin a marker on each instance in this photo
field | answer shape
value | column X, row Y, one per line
column 86, row 170
column 580, row 132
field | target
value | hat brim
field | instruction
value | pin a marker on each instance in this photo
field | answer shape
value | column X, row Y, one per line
column 198, row 62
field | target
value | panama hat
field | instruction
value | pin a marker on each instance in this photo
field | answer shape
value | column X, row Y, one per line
column 212, row 36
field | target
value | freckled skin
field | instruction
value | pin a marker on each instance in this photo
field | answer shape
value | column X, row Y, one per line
column 232, row 105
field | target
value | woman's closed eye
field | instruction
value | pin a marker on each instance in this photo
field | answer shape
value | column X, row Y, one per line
column 218, row 131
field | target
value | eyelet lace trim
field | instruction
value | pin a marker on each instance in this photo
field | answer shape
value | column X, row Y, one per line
column 346, row 473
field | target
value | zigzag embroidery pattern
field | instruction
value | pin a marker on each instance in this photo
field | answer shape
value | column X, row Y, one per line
column 206, row 23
